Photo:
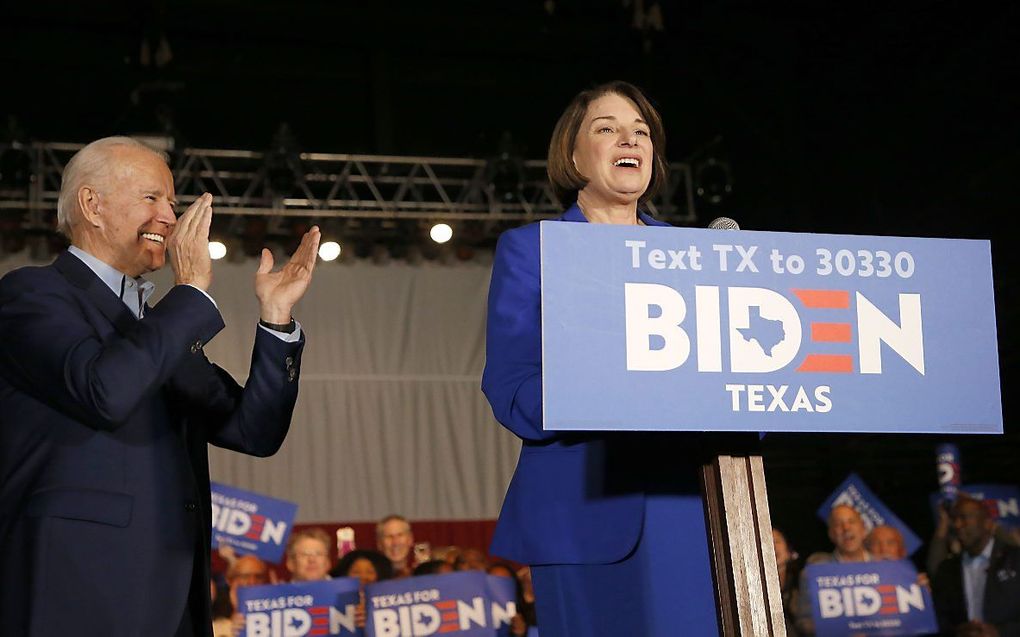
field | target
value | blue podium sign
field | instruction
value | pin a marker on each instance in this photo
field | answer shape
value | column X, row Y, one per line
column 650, row 328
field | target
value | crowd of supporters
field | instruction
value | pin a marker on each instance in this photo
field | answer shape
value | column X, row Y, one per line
column 970, row 566
column 309, row 557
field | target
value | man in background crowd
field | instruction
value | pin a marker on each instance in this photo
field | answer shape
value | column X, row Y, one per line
column 846, row 532
column 471, row 559
column 977, row 591
column 247, row 570
column 308, row 555
column 885, row 542
column 394, row 538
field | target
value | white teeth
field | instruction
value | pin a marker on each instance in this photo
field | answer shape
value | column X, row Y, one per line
column 627, row 161
column 152, row 236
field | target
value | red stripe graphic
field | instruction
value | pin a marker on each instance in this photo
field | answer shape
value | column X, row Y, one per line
column 831, row 332
column 446, row 604
column 449, row 617
column 827, row 363
column 448, row 628
column 257, row 522
column 824, row 299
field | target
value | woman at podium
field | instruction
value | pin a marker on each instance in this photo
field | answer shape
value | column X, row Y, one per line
column 612, row 525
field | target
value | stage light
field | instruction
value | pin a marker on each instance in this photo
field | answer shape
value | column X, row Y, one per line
column 217, row 250
column 329, row 250
column 441, row 233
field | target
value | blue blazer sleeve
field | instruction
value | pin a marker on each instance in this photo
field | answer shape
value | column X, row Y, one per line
column 253, row 419
column 512, row 379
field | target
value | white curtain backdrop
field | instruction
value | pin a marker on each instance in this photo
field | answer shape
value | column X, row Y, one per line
column 390, row 417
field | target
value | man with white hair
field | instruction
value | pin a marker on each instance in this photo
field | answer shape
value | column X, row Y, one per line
column 107, row 406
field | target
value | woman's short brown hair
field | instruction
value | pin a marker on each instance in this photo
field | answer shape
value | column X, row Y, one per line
column 564, row 178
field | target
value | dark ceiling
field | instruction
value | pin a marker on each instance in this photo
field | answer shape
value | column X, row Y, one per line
column 897, row 118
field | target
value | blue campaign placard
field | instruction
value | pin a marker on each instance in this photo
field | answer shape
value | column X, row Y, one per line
column 869, row 598
column 651, row 328
column 301, row 609
column 855, row 492
column 1002, row 501
column 250, row 522
column 464, row 603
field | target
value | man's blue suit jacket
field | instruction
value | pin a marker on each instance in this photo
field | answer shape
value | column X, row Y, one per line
column 104, row 426
column 1001, row 603
column 564, row 504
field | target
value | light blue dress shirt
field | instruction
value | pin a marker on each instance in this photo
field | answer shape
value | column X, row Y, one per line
column 975, row 574
column 134, row 292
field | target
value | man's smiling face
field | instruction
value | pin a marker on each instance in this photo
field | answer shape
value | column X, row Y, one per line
column 136, row 212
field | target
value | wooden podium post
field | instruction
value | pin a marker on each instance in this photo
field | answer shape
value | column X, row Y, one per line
column 747, row 592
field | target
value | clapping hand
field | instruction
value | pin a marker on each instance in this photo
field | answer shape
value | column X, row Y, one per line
column 279, row 291
column 188, row 245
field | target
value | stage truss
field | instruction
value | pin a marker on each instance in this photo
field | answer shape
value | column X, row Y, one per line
column 356, row 190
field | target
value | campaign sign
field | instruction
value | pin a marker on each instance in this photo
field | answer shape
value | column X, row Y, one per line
column 873, row 511
column 295, row 610
column 465, row 603
column 869, row 598
column 1001, row 500
column 652, row 328
column 250, row 522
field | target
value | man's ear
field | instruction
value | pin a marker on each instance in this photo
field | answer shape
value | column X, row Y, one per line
column 88, row 203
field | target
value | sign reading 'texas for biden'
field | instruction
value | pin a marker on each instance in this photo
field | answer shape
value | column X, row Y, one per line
column 250, row 522
column 650, row 328
column 868, row 598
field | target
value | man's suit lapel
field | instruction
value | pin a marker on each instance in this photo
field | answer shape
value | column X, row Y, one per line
column 81, row 276
column 997, row 565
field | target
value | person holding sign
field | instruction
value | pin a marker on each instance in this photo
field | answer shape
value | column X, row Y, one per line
column 107, row 405
column 612, row 525
column 847, row 533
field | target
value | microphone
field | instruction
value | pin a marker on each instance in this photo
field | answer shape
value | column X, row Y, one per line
column 723, row 223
